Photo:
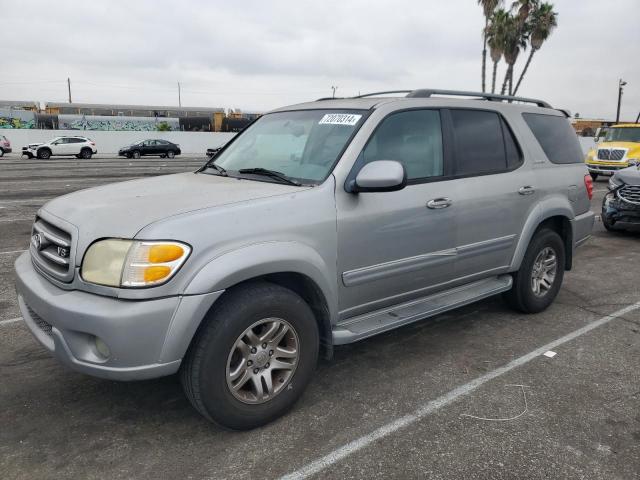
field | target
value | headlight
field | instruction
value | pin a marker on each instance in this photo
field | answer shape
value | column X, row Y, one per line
column 132, row 263
column 613, row 183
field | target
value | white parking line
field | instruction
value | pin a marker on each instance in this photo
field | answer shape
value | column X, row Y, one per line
column 10, row 321
column 407, row 420
column 10, row 252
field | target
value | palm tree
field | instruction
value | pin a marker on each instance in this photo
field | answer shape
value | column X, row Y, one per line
column 524, row 9
column 514, row 39
column 543, row 21
column 488, row 6
column 495, row 40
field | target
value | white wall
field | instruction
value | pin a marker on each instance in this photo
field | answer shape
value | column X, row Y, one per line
column 586, row 143
column 110, row 142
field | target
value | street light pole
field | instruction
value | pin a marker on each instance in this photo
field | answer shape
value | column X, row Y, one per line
column 621, row 83
column 179, row 96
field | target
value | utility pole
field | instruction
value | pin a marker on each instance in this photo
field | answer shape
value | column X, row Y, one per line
column 621, row 83
column 69, row 88
column 179, row 99
column 334, row 91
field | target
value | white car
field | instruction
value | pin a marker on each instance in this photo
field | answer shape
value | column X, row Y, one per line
column 81, row 147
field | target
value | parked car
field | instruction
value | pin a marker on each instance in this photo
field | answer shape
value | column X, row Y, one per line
column 162, row 148
column 80, row 147
column 321, row 224
column 621, row 206
column 212, row 152
column 5, row 145
column 618, row 148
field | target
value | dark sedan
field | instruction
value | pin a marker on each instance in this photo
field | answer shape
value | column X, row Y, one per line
column 161, row 148
column 621, row 206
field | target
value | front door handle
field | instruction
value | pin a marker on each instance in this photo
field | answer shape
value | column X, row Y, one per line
column 436, row 203
column 526, row 190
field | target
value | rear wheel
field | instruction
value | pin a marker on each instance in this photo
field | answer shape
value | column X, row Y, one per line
column 253, row 357
column 44, row 153
column 538, row 281
column 594, row 176
column 136, row 154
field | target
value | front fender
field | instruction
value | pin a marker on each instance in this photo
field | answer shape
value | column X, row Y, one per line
column 555, row 206
column 266, row 258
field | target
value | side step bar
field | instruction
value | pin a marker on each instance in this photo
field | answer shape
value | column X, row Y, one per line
column 369, row 324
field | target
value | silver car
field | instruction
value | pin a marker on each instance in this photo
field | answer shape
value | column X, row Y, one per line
column 319, row 225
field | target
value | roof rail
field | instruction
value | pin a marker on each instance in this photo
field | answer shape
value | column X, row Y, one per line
column 429, row 92
column 426, row 93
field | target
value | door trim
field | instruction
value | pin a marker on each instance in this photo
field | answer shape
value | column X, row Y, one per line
column 406, row 265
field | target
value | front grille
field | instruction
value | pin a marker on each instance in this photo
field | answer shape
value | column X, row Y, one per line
column 40, row 322
column 630, row 194
column 611, row 154
column 51, row 249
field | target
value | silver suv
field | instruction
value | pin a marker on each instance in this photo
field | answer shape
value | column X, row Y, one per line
column 320, row 224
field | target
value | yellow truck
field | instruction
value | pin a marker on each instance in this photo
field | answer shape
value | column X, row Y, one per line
column 618, row 147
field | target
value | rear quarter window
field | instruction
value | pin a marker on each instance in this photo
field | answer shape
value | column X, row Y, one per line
column 556, row 137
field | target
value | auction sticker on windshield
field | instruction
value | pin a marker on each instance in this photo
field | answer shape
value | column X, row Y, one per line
column 339, row 119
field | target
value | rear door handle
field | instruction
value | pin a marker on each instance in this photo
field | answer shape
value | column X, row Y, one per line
column 526, row 190
column 436, row 203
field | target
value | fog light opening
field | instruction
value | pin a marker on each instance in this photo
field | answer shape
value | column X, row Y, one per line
column 102, row 348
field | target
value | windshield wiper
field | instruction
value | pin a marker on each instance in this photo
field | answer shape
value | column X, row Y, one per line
column 218, row 168
column 270, row 173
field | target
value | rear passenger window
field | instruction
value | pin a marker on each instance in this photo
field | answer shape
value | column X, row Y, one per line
column 483, row 143
column 556, row 137
column 413, row 138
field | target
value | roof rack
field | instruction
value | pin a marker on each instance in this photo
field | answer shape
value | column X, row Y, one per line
column 429, row 92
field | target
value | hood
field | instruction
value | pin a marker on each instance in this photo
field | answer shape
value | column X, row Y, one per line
column 123, row 209
column 630, row 145
column 630, row 176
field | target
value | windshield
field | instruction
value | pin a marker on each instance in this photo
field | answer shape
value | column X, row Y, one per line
column 623, row 134
column 303, row 145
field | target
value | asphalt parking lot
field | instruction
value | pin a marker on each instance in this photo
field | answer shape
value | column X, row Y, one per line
column 400, row 405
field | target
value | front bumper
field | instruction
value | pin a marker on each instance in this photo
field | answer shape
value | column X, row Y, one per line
column 606, row 169
column 146, row 338
column 620, row 214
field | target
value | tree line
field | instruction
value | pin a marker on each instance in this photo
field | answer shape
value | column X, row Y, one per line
column 509, row 31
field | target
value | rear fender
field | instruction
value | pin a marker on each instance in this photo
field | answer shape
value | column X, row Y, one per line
column 556, row 206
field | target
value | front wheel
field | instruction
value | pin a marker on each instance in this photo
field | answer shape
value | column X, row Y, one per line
column 44, row 154
column 537, row 282
column 136, row 154
column 253, row 357
column 171, row 154
column 86, row 153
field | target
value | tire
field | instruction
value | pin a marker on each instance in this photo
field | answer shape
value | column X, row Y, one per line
column 522, row 295
column 44, row 154
column 213, row 354
column 171, row 154
column 136, row 154
column 86, row 153
column 594, row 176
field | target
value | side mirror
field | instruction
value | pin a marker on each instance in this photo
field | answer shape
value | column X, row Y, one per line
column 380, row 176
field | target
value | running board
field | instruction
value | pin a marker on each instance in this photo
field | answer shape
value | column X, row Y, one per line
column 369, row 324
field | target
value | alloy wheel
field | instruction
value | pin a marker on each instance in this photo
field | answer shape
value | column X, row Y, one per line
column 544, row 271
column 262, row 361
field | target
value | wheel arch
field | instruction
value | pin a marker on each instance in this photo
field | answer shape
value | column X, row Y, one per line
column 292, row 265
column 558, row 219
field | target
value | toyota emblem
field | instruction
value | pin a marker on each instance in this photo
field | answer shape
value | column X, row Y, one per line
column 36, row 239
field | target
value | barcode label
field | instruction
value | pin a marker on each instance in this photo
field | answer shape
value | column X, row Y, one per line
column 340, row 119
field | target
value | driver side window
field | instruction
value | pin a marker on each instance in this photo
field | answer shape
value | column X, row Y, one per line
column 413, row 138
